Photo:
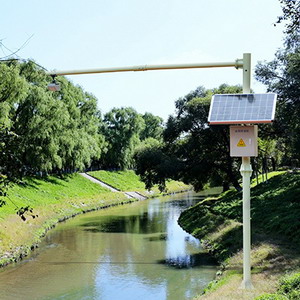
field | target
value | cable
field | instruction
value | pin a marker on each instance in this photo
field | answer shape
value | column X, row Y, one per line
column 14, row 52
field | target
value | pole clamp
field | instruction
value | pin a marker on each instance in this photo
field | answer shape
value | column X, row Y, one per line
column 239, row 63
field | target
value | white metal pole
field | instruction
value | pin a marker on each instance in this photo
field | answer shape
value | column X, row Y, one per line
column 236, row 64
column 246, row 73
column 246, row 171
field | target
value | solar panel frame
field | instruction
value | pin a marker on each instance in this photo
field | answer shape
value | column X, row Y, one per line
column 242, row 108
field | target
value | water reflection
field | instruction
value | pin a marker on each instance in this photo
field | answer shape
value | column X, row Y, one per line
column 123, row 224
column 190, row 261
column 125, row 252
column 178, row 240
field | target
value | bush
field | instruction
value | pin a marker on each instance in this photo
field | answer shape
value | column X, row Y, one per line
column 290, row 284
column 289, row 289
column 294, row 295
column 271, row 297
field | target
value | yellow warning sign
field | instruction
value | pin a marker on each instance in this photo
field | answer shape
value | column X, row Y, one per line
column 241, row 143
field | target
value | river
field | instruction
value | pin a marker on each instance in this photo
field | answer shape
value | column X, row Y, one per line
column 135, row 251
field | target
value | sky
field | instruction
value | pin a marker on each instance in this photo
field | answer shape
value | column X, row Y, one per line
column 77, row 34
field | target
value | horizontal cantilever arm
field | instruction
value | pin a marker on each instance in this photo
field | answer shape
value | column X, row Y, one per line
column 236, row 64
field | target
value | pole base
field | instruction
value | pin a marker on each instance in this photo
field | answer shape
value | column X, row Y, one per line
column 247, row 285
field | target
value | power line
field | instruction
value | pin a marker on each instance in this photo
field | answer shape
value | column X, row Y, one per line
column 13, row 52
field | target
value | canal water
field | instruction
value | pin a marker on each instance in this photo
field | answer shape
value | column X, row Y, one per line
column 135, row 251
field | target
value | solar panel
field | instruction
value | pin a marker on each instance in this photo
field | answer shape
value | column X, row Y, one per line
column 242, row 108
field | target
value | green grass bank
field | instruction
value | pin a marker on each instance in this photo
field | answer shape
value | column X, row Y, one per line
column 127, row 181
column 54, row 199
column 275, row 222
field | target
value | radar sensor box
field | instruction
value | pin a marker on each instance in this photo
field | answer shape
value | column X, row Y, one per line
column 243, row 141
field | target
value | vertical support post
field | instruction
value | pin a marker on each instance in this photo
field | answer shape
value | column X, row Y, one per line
column 246, row 73
column 246, row 171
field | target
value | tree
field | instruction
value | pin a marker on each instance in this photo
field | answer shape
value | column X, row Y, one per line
column 153, row 127
column 81, row 141
column 282, row 76
column 121, row 128
column 196, row 152
column 12, row 89
column 57, row 131
column 154, row 166
column 291, row 14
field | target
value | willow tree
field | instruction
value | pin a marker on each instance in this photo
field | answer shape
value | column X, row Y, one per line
column 13, row 89
column 121, row 128
column 56, row 131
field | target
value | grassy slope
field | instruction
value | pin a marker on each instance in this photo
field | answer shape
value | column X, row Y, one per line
column 275, row 210
column 128, row 181
column 51, row 190
column 122, row 180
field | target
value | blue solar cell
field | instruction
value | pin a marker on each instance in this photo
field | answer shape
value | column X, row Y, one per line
column 242, row 108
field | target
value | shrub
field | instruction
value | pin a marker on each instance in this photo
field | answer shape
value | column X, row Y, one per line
column 294, row 295
column 289, row 284
column 271, row 297
column 289, row 289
